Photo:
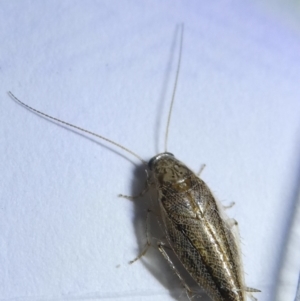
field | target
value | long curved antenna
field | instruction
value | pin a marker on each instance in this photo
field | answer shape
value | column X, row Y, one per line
column 174, row 89
column 76, row 127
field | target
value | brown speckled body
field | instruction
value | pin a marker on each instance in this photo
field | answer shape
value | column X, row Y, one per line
column 197, row 229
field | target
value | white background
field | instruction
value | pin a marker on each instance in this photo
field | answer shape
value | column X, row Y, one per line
column 109, row 66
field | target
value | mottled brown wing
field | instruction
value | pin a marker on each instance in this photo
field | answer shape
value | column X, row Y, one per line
column 202, row 240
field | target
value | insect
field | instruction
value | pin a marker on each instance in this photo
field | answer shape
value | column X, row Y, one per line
column 196, row 228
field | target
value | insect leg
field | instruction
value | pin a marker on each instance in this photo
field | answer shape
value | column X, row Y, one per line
column 161, row 247
column 200, row 170
column 250, row 290
column 148, row 184
column 229, row 206
column 148, row 243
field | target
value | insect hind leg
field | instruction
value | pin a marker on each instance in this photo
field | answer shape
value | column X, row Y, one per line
column 161, row 247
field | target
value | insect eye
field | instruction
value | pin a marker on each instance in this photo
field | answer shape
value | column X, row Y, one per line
column 150, row 163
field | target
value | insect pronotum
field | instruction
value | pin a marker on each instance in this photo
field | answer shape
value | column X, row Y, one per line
column 197, row 230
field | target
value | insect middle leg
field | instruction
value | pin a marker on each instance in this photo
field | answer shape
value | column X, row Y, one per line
column 148, row 243
column 250, row 290
column 229, row 206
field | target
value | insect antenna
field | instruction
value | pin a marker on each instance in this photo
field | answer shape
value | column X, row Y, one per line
column 174, row 89
column 75, row 127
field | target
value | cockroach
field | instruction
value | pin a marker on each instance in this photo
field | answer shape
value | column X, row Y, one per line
column 197, row 230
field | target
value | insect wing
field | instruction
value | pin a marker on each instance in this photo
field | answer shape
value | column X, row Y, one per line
column 200, row 236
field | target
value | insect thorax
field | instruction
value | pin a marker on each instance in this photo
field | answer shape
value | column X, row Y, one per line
column 167, row 171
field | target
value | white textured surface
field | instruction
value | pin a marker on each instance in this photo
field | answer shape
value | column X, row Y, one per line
column 108, row 66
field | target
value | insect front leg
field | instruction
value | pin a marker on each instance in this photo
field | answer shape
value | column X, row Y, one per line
column 148, row 184
column 200, row 170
